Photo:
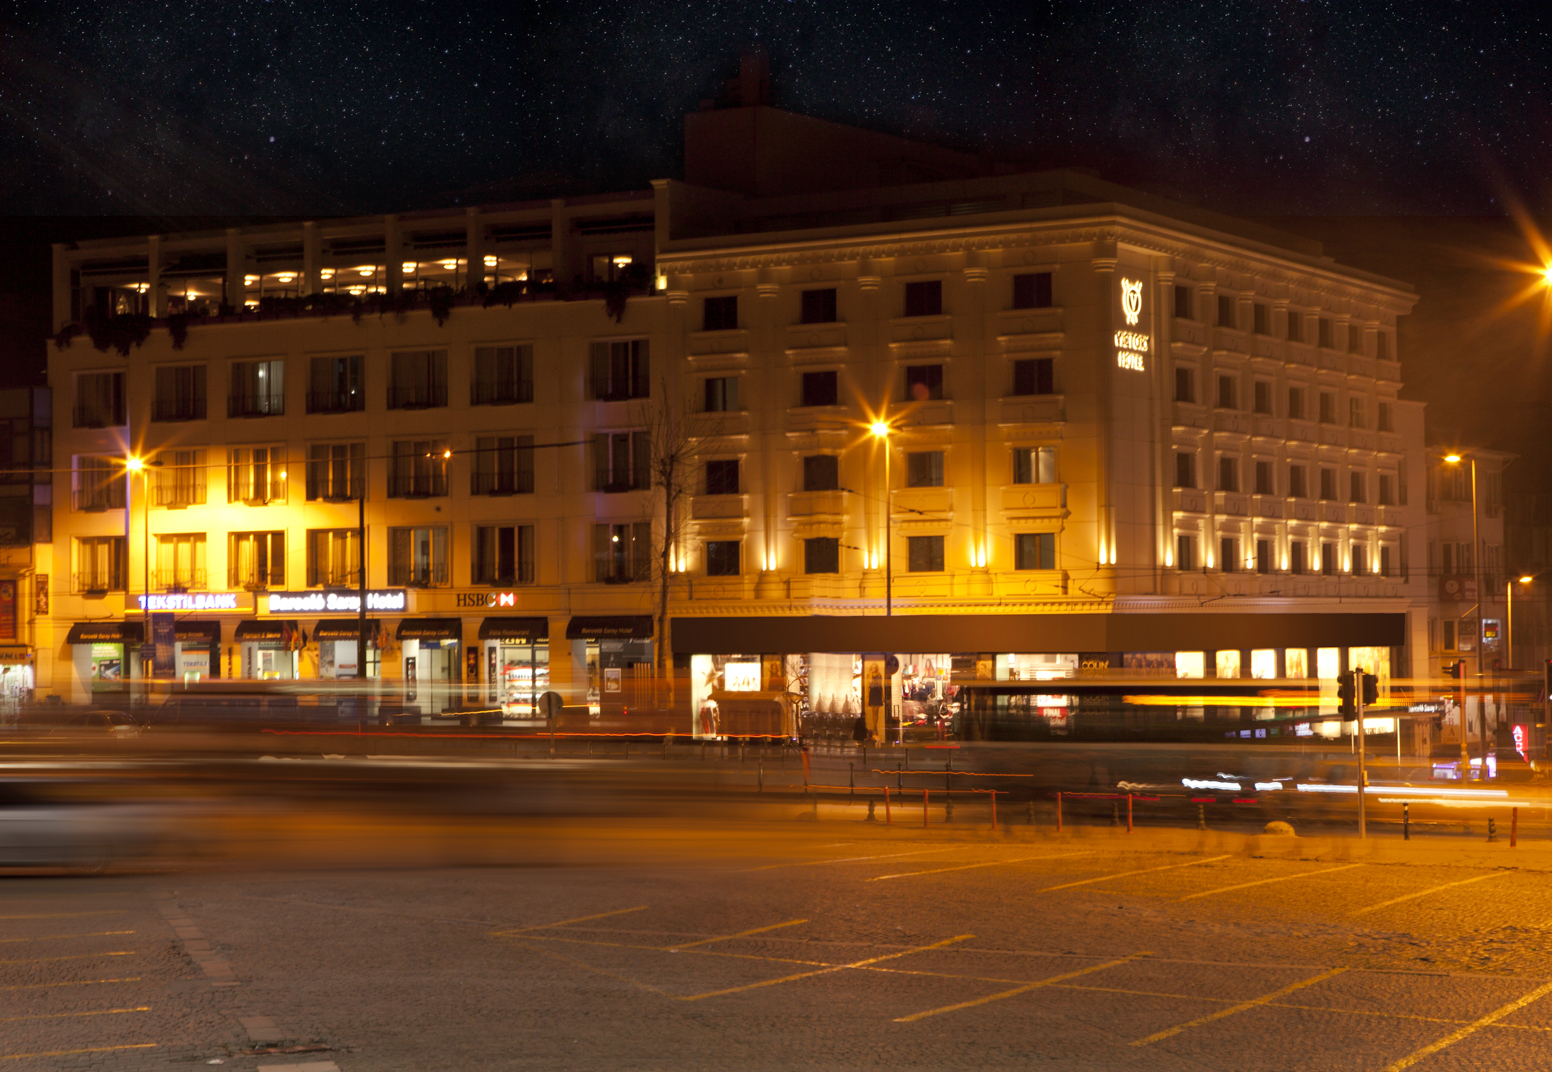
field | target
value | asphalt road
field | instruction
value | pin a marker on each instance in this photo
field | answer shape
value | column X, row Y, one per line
column 830, row 944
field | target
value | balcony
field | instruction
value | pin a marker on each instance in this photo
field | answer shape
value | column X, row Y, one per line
column 177, row 495
column 519, row 483
column 263, row 494
column 809, row 504
column 418, row 576
column 490, row 393
column 336, row 401
column 256, row 406
column 418, row 397
column 178, row 409
column 708, row 507
column 178, row 580
column 98, row 499
column 95, row 583
column 254, row 580
column 1034, row 500
column 95, row 417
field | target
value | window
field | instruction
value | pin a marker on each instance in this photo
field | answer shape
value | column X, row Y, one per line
column 1261, row 319
column 722, row 558
column 1228, row 554
column 622, row 461
column 610, row 267
column 1384, row 561
column 924, row 298
column 1228, row 473
column 1382, row 346
column 1360, row 559
column 622, row 553
column 180, row 394
column 924, row 469
column 503, row 465
column 1262, row 397
column 924, row 554
column 1227, row 396
column 1296, row 553
column 821, row 472
column 1263, row 556
column 99, row 564
column 1034, row 551
column 99, row 483
column 1327, row 407
column 1032, row 290
column 1387, row 494
column 818, row 306
column 621, row 370
column 1185, row 469
column 1323, row 327
column 1034, row 465
column 1449, row 634
column 333, row 558
column 1355, row 487
column 99, row 400
column 503, row 554
column 1328, row 485
column 1295, row 326
column 417, row 557
column 258, row 389
column 180, row 562
column 822, row 554
column 722, row 394
column 720, row 314
column 417, row 468
column 181, row 479
column 923, row 382
column 503, row 376
column 1226, row 318
column 256, row 560
column 1385, row 419
column 1355, row 413
column 1034, row 376
column 417, row 379
column 1328, row 559
column 1296, row 403
column 820, row 389
column 334, row 385
column 1265, row 485
column 256, row 475
column 1298, row 486
column 1183, row 303
column 1185, row 384
column 1185, row 551
column 722, row 477
column 1355, row 338
column 336, row 472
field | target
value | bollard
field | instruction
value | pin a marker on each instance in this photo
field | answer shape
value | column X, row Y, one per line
column 889, row 819
column 1406, row 821
column 805, row 768
column 1029, row 812
column 870, row 817
column 761, row 776
column 1058, row 813
column 851, row 780
column 1115, row 813
column 994, row 809
column 1492, row 829
column 1128, row 812
column 1514, row 827
column 899, row 777
column 925, row 822
column 1201, row 816
column 948, row 810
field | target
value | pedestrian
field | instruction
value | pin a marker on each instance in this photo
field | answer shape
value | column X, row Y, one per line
column 859, row 730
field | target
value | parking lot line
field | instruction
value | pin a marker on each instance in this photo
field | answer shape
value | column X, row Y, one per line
column 55, row 937
column 988, row 863
column 77, row 982
column 605, row 972
column 1026, row 988
column 730, row 937
column 1475, row 1025
column 1265, row 999
column 1267, row 881
column 66, row 1053
column 854, row 859
column 566, row 922
column 1424, row 893
column 75, row 956
column 1124, row 874
column 827, row 971
column 67, row 1015
column 70, row 915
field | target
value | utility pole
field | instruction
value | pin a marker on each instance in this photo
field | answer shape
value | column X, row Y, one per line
column 1363, row 771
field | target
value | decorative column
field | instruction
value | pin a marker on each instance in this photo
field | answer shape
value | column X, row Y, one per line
column 970, row 405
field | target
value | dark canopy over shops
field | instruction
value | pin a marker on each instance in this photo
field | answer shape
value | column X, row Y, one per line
column 515, row 629
column 429, row 629
column 263, row 629
column 105, row 633
column 616, row 627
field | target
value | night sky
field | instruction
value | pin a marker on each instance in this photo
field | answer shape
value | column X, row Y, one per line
column 269, row 106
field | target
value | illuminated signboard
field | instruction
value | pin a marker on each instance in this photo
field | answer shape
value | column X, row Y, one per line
column 1521, row 741
column 487, row 599
column 176, row 601
column 377, row 599
column 1131, row 346
column 741, row 677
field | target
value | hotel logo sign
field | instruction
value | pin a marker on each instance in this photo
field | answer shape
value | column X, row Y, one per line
column 1131, row 346
column 391, row 600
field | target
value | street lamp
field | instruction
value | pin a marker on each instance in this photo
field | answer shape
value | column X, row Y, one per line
column 880, row 430
column 1509, row 617
column 1476, row 577
column 134, row 464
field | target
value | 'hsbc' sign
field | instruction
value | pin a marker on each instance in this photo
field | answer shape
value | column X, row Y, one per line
column 486, row 599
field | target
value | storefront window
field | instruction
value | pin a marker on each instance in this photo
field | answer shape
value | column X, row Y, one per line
column 107, row 667
column 1228, row 664
column 1263, row 663
column 1190, row 664
column 1328, row 663
column 1296, row 661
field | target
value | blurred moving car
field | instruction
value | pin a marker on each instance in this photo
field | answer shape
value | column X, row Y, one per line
column 54, row 824
column 99, row 723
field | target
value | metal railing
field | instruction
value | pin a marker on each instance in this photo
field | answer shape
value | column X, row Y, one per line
column 336, row 401
column 421, row 397
column 418, row 576
column 106, row 581
column 245, row 405
column 100, row 498
column 175, row 494
column 492, row 393
column 178, row 409
column 178, row 580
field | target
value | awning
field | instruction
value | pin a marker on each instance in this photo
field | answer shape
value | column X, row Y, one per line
column 515, row 629
column 346, row 629
column 251, row 629
column 1036, row 632
column 430, row 629
column 105, row 633
column 613, row 627
column 197, row 632
column 15, row 653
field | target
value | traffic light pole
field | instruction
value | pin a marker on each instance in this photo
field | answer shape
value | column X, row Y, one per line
column 1363, row 773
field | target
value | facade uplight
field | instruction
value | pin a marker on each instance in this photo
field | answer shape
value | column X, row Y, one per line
column 490, row 260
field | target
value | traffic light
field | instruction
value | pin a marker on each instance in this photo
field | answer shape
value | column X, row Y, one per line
column 1457, row 669
column 1371, row 690
column 1344, row 692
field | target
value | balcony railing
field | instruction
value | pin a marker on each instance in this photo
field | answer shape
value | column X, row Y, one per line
column 98, row 499
column 520, row 483
column 254, row 580
column 400, row 487
column 418, row 576
column 274, row 491
column 256, row 405
column 421, row 397
column 179, row 580
column 110, row 581
column 490, row 393
column 178, row 409
column 336, row 401
column 95, row 417
column 189, row 492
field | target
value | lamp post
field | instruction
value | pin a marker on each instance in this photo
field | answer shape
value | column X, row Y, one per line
column 1476, row 577
column 134, row 464
column 1509, row 617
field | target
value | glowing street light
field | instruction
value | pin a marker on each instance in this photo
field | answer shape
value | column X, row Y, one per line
column 1509, row 615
